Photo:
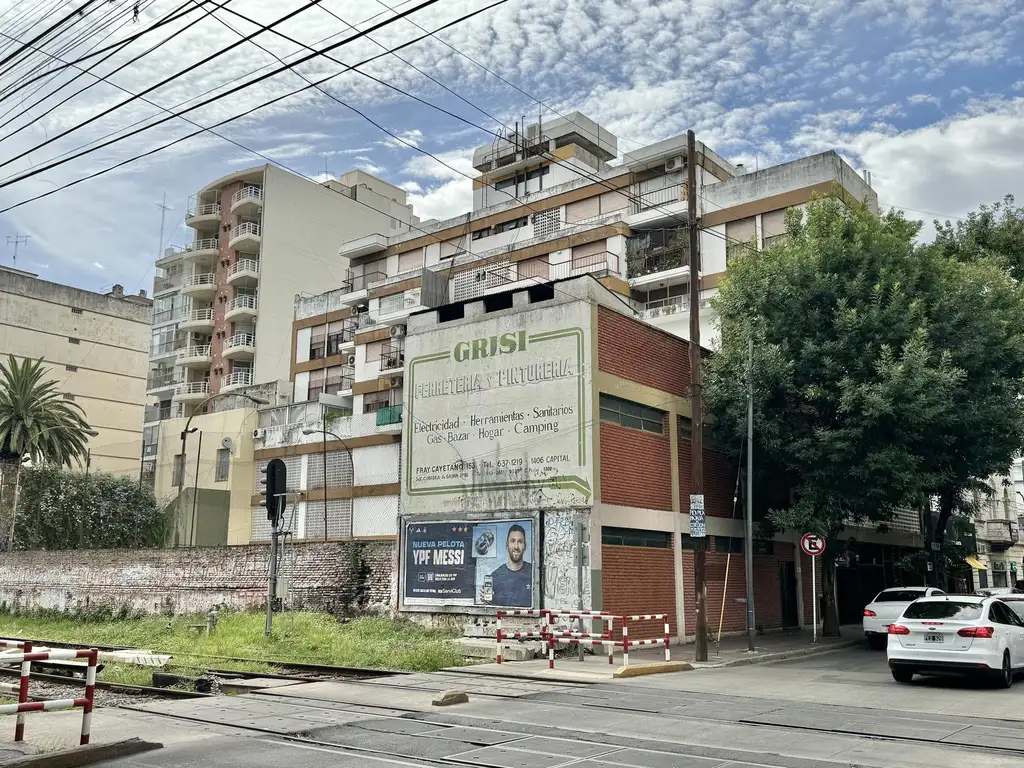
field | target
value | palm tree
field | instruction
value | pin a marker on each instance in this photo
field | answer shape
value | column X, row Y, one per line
column 35, row 421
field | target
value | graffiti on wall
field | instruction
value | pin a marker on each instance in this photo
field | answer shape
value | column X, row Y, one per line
column 561, row 574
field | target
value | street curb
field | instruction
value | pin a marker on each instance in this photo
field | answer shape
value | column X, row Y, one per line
column 653, row 668
column 798, row 653
column 82, row 756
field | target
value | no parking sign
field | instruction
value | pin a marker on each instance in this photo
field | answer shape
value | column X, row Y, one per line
column 812, row 545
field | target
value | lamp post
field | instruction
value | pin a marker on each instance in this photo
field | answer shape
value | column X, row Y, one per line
column 17, row 481
column 326, row 432
column 185, row 433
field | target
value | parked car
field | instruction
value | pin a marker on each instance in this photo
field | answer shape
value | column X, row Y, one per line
column 887, row 606
column 994, row 591
column 957, row 634
column 1016, row 602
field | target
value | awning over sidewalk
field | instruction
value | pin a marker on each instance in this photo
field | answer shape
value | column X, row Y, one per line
column 976, row 564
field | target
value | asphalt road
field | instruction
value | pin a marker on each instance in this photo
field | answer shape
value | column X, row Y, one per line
column 841, row 708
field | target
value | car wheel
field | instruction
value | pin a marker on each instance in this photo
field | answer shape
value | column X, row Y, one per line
column 1004, row 678
column 903, row 675
column 878, row 642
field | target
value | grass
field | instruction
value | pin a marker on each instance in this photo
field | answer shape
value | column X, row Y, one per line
column 312, row 638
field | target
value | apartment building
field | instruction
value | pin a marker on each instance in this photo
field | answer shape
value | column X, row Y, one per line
column 997, row 525
column 222, row 304
column 95, row 345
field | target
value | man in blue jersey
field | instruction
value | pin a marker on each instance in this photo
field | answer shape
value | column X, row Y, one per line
column 513, row 581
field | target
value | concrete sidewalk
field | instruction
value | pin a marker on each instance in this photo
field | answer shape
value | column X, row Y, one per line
column 731, row 652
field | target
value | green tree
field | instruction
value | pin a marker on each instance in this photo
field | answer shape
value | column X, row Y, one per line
column 848, row 383
column 35, row 421
column 994, row 232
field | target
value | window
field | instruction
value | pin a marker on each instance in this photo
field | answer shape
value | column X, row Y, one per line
column 1017, row 606
column 631, row 537
column 482, row 233
column 71, row 368
column 68, row 396
column 899, row 595
column 944, row 609
column 178, row 471
column 633, row 415
column 76, row 311
column 317, row 346
column 505, row 226
column 223, row 464
column 731, row 544
column 536, row 173
column 505, row 183
column 74, row 341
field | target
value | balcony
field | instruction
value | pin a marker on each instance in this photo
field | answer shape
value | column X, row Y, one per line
column 192, row 392
column 205, row 213
column 244, row 273
column 165, row 349
column 200, row 285
column 169, row 257
column 354, row 286
column 236, row 380
column 671, row 306
column 200, row 356
column 502, row 275
column 1000, row 534
column 247, row 201
column 240, row 307
column 392, row 358
column 202, row 250
column 167, row 284
column 241, row 346
column 197, row 320
column 161, row 380
column 388, row 415
column 246, row 236
column 658, row 258
column 363, row 246
column 156, row 413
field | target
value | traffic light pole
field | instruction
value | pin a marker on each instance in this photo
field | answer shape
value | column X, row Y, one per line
column 272, row 584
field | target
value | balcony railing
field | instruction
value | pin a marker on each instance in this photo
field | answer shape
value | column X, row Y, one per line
column 375, row 405
column 247, row 191
column 391, row 357
column 502, row 274
column 243, row 265
column 203, row 244
column 242, row 302
column 161, row 379
column 237, row 379
column 198, row 316
column 644, row 201
column 362, row 282
column 200, row 279
column 240, row 340
column 198, row 350
column 167, row 283
column 335, row 384
column 389, row 414
column 206, row 209
column 193, row 388
column 656, row 251
column 246, row 228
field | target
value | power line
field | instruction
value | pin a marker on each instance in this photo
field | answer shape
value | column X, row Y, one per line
column 48, row 31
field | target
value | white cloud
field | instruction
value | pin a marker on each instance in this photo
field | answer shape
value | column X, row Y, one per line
column 98, row 265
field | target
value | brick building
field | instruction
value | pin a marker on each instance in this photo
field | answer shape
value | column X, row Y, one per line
column 631, row 473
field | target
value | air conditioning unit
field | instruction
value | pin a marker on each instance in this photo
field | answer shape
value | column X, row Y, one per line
column 258, row 433
column 355, row 312
column 351, row 360
column 675, row 164
column 396, row 331
column 396, row 381
column 226, row 443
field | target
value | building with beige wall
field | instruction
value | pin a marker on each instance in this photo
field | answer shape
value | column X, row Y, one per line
column 96, row 347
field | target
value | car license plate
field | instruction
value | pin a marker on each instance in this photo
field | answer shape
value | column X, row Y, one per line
column 933, row 638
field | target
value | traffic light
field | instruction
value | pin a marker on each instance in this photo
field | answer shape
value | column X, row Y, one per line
column 275, row 488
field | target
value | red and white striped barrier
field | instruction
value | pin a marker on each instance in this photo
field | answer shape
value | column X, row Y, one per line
column 533, row 634
column 25, row 658
column 626, row 642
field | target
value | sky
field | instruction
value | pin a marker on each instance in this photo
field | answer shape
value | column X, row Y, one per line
column 926, row 94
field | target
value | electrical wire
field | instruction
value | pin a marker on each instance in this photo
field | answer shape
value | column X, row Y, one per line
column 47, row 32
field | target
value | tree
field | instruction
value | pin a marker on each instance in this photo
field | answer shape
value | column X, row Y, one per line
column 848, row 383
column 994, row 232
column 35, row 421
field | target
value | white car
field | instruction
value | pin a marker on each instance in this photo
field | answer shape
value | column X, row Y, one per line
column 887, row 607
column 957, row 634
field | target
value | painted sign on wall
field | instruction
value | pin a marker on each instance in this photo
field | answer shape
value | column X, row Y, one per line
column 469, row 563
column 498, row 413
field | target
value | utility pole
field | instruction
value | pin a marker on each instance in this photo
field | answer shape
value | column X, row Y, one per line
column 697, row 528
column 749, row 548
column 18, row 240
column 163, row 216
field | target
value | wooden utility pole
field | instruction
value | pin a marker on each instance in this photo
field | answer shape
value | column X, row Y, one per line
column 697, row 528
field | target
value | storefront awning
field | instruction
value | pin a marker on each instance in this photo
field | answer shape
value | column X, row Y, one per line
column 976, row 564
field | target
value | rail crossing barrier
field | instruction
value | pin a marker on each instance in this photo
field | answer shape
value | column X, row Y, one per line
column 15, row 652
column 549, row 635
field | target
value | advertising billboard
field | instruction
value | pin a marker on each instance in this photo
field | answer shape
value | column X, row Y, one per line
column 498, row 413
column 481, row 563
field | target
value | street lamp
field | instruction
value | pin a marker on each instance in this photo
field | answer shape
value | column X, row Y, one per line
column 185, row 433
column 326, row 432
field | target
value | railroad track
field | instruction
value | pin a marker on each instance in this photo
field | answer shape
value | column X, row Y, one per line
column 106, row 685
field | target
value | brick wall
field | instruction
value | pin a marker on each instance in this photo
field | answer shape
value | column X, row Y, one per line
column 635, row 467
column 639, row 580
column 641, row 353
column 337, row 577
column 767, row 590
column 719, row 480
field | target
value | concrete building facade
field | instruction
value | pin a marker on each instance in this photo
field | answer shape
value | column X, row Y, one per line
column 95, row 346
column 222, row 312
